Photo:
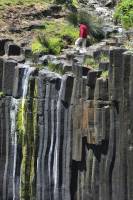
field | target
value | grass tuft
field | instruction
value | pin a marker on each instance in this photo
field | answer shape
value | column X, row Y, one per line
column 90, row 62
column 56, row 36
column 105, row 74
column 55, row 68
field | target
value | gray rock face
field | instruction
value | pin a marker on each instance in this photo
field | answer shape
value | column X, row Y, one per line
column 12, row 49
column 8, row 76
column 67, row 136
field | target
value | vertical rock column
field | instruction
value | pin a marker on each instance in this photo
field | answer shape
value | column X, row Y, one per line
column 54, row 155
column 7, row 192
column 3, row 138
column 116, row 81
column 126, row 141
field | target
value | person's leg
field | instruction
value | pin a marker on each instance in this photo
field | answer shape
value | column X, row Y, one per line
column 83, row 50
column 84, row 43
column 78, row 42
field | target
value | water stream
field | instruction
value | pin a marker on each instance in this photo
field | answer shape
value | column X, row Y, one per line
column 13, row 115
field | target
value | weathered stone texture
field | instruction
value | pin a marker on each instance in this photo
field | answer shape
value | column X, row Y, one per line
column 1, row 73
column 2, row 46
column 8, row 76
column 12, row 49
column 67, row 136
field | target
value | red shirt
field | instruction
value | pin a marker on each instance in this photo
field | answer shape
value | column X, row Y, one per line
column 83, row 31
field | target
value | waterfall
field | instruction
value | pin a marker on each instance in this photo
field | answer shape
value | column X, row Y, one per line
column 13, row 113
column 27, row 73
column 14, row 139
column 57, row 144
column 25, row 82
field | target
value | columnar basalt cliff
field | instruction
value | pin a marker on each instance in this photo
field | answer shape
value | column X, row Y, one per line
column 66, row 134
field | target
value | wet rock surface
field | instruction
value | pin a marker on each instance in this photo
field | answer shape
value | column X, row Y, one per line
column 66, row 135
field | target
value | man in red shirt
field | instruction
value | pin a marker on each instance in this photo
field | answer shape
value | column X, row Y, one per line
column 81, row 41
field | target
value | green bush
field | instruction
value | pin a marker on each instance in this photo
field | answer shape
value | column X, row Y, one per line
column 55, row 37
column 124, row 13
column 47, row 45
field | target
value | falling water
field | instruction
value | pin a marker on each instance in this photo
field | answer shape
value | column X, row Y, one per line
column 52, row 140
column 27, row 73
column 14, row 144
column 56, row 159
column 13, row 113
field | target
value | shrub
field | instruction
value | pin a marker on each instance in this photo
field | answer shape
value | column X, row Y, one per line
column 56, row 36
column 55, row 45
column 47, row 45
column 124, row 13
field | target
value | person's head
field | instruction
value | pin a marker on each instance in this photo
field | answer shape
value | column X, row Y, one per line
column 83, row 22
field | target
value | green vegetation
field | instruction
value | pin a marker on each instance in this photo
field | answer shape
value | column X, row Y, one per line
column 46, row 45
column 75, row 3
column 20, row 2
column 59, row 34
column 105, row 74
column 56, row 36
column 55, row 68
column 94, row 63
column 27, row 138
column 90, row 62
column 1, row 94
column 128, row 45
column 124, row 13
column 104, row 58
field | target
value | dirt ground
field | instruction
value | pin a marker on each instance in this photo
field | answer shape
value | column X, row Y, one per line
column 21, row 23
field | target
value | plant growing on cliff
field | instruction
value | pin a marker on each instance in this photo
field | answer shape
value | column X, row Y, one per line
column 55, row 68
column 103, row 58
column 56, row 36
column 124, row 13
column 27, row 138
column 91, row 62
column 1, row 94
column 105, row 74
